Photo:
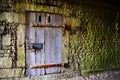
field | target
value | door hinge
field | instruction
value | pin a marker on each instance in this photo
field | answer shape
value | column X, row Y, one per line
column 65, row 65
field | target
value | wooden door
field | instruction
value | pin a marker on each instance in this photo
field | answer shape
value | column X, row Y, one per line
column 49, row 37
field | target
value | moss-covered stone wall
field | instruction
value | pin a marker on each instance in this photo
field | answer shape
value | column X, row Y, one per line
column 95, row 42
column 90, row 39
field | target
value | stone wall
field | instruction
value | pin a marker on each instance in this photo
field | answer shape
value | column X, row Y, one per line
column 8, row 52
column 95, row 42
column 90, row 40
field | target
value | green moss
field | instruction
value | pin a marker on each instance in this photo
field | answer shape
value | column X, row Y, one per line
column 21, row 58
column 98, row 50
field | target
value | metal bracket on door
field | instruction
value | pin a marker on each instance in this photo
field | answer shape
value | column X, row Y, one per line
column 35, row 46
column 49, row 25
column 65, row 65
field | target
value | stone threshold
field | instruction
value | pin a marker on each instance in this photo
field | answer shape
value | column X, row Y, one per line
column 60, row 76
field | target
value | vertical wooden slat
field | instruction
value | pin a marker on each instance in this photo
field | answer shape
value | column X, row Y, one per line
column 57, row 47
column 30, row 38
column 57, row 41
column 39, row 57
column 53, row 37
column 49, row 49
column 49, row 45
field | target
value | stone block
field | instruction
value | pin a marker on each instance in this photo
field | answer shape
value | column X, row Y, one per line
column 2, row 17
column 15, row 72
column 6, row 55
column 7, row 79
column 19, row 72
column 9, row 16
column 5, row 73
column 2, row 53
column 21, row 46
column 21, row 58
column 6, row 39
column 5, row 62
column 20, row 18
column 15, row 17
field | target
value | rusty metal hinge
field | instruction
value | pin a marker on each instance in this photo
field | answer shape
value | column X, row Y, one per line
column 49, row 25
column 65, row 65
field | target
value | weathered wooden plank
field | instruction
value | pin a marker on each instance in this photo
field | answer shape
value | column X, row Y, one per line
column 39, row 57
column 49, row 49
column 57, row 41
column 40, row 19
column 57, row 19
column 49, row 45
column 30, row 38
column 57, row 47
column 53, row 38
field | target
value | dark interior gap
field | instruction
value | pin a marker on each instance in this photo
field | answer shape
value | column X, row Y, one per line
column 49, row 19
column 40, row 19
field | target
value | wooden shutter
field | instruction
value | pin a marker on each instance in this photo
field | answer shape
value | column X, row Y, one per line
column 49, row 37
